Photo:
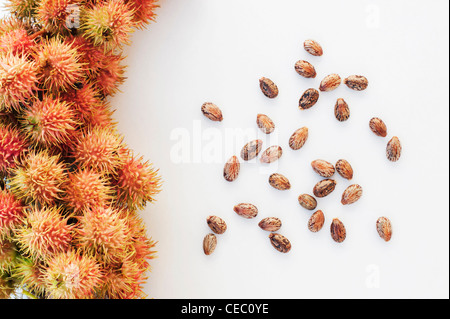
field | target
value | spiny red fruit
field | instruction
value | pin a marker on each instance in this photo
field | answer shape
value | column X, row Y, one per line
column 137, row 182
column 111, row 75
column 87, row 189
column 143, row 11
column 52, row 14
column 50, row 122
column 91, row 56
column 58, row 64
column 11, row 213
column 16, row 42
column 70, row 275
column 39, row 179
column 108, row 24
column 18, row 78
column 103, row 234
column 12, row 146
column 98, row 149
column 44, row 232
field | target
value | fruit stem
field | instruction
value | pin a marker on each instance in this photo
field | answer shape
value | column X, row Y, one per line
column 40, row 32
column 28, row 294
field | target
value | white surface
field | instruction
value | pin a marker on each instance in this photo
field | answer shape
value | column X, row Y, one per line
column 211, row 50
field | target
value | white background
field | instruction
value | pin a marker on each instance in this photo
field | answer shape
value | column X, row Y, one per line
column 216, row 50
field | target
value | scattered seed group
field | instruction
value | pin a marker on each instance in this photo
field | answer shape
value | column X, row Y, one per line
column 296, row 141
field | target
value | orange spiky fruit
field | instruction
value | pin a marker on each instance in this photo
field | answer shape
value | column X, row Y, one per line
column 143, row 11
column 16, row 42
column 18, row 79
column 11, row 213
column 92, row 57
column 70, row 275
column 58, row 64
column 12, row 146
column 44, row 232
column 8, row 254
column 98, row 149
column 52, row 14
column 87, row 189
column 111, row 75
column 40, row 178
column 103, row 234
column 50, row 122
column 137, row 182
column 107, row 24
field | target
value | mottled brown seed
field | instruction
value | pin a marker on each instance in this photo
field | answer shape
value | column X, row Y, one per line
column 251, row 150
column 268, row 88
column 344, row 169
column 330, row 83
column 298, row 138
column 338, row 231
column 270, row 224
column 378, row 127
column 308, row 99
column 231, row 169
column 324, row 187
column 313, row 47
column 316, row 221
column 279, row 181
column 209, row 244
column 307, row 201
column 271, row 154
column 216, row 224
column 265, row 123
column 323, row 168
column 305, row 69
column 356, row 82
column 393, row 149
column 246, row 210
column 280, row 243
column 351, row 194
column 212, row 111
column 384, row 228
column 341, row 110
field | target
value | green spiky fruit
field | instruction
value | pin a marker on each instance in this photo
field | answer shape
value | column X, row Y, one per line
column 44, row 232
column 28, row 272
column 70, row 275
column 109, row 24
column 8, row 254
column 24, row 9
column 40, row 179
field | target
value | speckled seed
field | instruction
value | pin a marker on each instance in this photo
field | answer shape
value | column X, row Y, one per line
column 341, row 110
column 246, row 210
column 316, row 221
column 378, row 127
column 305, row 69
column 384, row 228
column 298, row 138
column 265, row 123
column 324, row 187
column 209, row 244
column 271, row 154
column 344, row 169
column 308, row 99
column 280, row 243
column 338, row 231
column 268, row 88
column 307, row 201
column 330, row 82
column 251, row 150
column 323, row 168
column 279, row 181
column 212, row 111
column 393, row 149
column 313, row 47
column 270, row 224
column 231, row 169
column 356, row 82
column 351, row 194
column 216, row 224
